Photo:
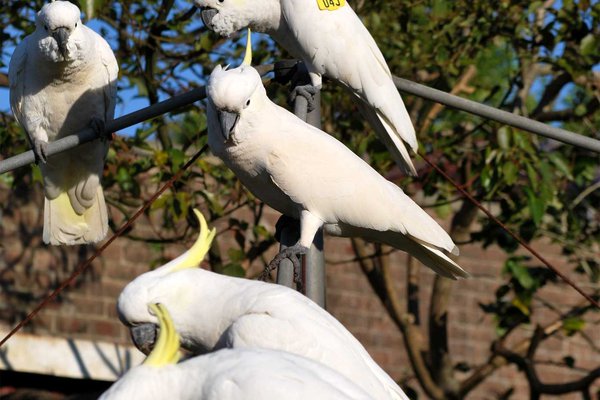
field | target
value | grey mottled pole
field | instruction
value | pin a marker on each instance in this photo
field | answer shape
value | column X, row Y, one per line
column 313, row 265
column 87, row 135
column 498, row 115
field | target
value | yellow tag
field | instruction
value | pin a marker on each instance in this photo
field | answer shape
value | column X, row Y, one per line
column 330, row 5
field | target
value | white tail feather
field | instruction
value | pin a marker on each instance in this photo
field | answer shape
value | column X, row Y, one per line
column 63, row 226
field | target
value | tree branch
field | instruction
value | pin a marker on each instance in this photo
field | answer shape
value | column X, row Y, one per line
column 497, row 361
column 442, row 368
column 550, row 92
column 527, row 364
column 382, row 282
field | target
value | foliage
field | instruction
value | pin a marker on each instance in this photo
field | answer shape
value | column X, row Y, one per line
column 539, row 59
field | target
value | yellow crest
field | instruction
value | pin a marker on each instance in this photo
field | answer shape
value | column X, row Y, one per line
column 166, row 349
column 248, row 53
column 194, row 256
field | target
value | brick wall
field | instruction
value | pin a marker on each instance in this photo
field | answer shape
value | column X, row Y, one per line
column 87, row 309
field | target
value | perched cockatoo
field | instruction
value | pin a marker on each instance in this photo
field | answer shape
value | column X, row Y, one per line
column 212, row 312
column 332, row 41
column 306, row 174
column 63, row 80
column 228, row 374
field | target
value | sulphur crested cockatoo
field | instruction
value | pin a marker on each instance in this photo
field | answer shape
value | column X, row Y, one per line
column 228, row 374
column 332, row 41
column 212, row 311
column 306, row 174
column 63, row 80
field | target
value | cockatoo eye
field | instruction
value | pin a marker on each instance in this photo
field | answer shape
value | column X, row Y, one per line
column 75, row 24
column 220, row 1
column 247, row 102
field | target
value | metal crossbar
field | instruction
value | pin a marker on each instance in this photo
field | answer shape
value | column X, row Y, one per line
column 496, row 114
column 404, row 85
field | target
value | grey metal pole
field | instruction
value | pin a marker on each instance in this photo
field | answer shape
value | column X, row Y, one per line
column 87, row 135
column 498, row 115
column 313, row 264
column 285, row 271
column 315, row 277
column 404, row 85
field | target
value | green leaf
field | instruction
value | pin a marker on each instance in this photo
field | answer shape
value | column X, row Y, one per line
column 559, row 162
column 520, row 272
column 521, row 306
column 572, row 325
column 589, row 45
column 233, row 270
column 510, row 170
column 236, row 255
column 537, row 206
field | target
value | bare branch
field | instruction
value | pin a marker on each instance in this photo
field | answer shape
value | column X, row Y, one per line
column 382, row 282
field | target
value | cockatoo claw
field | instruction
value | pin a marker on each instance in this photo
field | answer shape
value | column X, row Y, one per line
column 98, row 125
column 307, row 91
column 40, row 150
column 292, row 253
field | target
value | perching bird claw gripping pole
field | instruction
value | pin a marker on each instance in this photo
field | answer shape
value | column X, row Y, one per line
column 312, row 275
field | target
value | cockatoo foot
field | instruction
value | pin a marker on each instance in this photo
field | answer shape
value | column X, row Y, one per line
column 98, row 125
column 307, row 91
column 292, row 253
column 40, row 150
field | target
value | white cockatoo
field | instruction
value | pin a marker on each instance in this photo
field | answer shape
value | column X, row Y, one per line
column 228, row 374
column 332, row 41
column 306, row 174
column 63, row 80
column 212, row 312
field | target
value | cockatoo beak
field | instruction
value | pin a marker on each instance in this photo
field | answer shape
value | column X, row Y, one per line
column 207, row 15
column 144, row 337
column 228, row 120
column 61, row 35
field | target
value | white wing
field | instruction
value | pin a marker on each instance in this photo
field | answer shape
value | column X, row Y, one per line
column 16, row 78
column 111, row 68
column 327, row 179
column 337, row 44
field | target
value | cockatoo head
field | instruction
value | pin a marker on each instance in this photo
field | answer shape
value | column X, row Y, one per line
column 226, row 17
column 160, row 286
column 58, row 25
column 234, row 92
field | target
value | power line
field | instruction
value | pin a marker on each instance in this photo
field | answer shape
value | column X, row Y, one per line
column 510, row 232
